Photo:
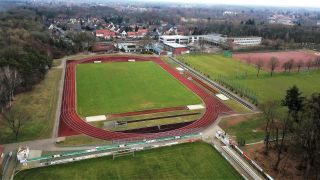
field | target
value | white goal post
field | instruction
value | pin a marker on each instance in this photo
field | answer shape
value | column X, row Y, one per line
column 124, row 152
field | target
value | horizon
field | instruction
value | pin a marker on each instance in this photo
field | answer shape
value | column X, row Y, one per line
column 270, row 3
column 248, row 3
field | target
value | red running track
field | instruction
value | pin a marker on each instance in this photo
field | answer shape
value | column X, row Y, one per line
column 71, row 123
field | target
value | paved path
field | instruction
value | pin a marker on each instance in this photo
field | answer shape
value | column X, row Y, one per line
column 43, row 144
column 58, row 109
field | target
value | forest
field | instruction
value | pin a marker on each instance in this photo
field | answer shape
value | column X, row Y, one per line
column 26, row 52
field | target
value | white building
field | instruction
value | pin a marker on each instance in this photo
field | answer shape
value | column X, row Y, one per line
column 246, row 41
column 130, row 47
column 214, row 39
column 174, row 39
column 184, row 39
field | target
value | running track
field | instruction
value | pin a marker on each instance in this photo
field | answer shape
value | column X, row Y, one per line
column 71, row 123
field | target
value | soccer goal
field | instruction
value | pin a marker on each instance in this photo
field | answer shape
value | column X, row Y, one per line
column 125, row 152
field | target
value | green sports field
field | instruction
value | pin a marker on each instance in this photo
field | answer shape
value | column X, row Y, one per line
column 244, row 75
column 128, row 86
column 185, row 161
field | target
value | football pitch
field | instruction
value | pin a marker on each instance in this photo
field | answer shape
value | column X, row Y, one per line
column 245, row 75
column 186, row 161
column 126, row 87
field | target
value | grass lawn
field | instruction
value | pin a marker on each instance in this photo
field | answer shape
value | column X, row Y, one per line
column 265, row 86
column 248, row 128
column 185, row 161
column 41, row 104
column 128, row 86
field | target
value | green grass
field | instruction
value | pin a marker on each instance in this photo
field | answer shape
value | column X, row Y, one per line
column 185, row 161
column 236, row 107
column 216, row 65
column 250, row 130
column 124, row 87
column 41, row 104
column 244, row 75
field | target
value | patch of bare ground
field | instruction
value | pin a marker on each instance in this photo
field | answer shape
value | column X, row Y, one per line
column 231, row 121
column 291, row 166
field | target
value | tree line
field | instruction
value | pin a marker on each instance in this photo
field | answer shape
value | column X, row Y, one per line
column 287, row 66
column 295, row 34
column 297, row 128
column 26, row 53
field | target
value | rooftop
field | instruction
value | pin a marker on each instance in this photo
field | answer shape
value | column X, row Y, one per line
column 173, row 36
column 175, row 45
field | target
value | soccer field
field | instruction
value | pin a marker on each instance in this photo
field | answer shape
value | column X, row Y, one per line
column 244, row 75
column 186, row 161
column 126, row 87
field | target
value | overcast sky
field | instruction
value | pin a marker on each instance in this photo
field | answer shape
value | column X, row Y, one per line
column 286, row 3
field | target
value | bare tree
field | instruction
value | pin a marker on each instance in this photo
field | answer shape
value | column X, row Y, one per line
column 317, row 62
column 309, row 63
column 280, row 143
column 259, row 65
column 285, row 66
column 145, row 41
column 308, row 132
column 15, row 118
column 290, row 64
column 273, row 64
column 3, row 95
column 11, row 79
column 300, row 64
column 270, row 113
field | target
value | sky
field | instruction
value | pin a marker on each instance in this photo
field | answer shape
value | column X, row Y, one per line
column 283, row 3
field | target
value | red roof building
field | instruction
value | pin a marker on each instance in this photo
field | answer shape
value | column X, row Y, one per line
column 106, row 34
column 139, row 34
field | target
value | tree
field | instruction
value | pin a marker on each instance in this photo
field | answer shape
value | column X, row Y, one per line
column 145, row 41
column 259, row 65
column 273, row 64
column 300, row 64
column 308, row 131
column 285, row 66
column 11, row 80
column 290, row 64
column 309, row 63
column 15, row 118
column 293, row 101
column 317, row 62
column 270, row 113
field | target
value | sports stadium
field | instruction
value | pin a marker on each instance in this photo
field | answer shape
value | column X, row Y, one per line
column 105, row 87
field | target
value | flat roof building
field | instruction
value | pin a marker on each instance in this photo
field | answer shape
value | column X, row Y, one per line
column 176, row 48
column 214, row 39
column 247, row 41
column 130, row 47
